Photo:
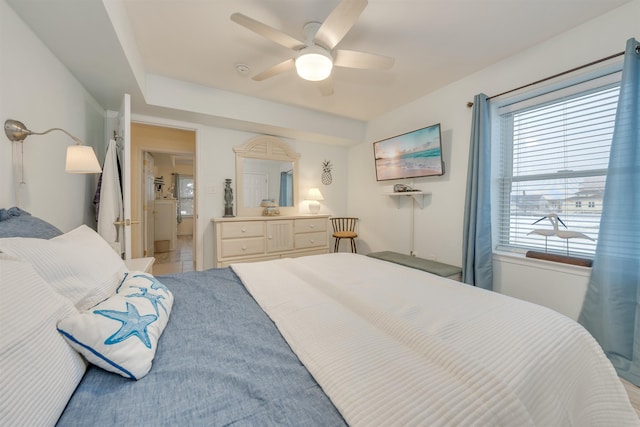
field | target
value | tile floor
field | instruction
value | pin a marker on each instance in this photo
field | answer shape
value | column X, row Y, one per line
column 178, row 261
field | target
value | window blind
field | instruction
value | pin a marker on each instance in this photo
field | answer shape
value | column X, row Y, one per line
column 186, row 191
column 554, row 157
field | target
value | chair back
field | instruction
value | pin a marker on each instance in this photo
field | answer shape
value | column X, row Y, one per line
column 343, row 224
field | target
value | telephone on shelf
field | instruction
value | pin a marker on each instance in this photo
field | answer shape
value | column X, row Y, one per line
column 402, row 188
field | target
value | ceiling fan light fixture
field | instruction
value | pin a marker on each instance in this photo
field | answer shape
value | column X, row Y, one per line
column 314, row 63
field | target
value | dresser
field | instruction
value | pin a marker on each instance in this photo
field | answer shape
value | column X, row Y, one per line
column 247, row 239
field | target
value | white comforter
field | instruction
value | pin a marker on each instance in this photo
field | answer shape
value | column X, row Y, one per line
column 396, row 346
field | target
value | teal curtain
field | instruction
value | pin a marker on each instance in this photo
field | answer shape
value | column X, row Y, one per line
column 611, row 310
column 286, row 189
column 477, row 251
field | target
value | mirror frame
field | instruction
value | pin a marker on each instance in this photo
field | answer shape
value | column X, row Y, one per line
column 266, row 148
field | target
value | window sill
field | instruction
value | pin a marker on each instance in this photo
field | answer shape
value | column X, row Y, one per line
column 521, row 259
column 563, row 259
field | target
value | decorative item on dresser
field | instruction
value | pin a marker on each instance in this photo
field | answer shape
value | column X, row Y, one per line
column 270, row 207
column 249, row 239
column 228, row 198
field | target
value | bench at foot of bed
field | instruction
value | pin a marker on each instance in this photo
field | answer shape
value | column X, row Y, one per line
column 434, row 267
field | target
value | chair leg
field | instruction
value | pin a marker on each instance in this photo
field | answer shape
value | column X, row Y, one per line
column 337, row 245
column 353, row 246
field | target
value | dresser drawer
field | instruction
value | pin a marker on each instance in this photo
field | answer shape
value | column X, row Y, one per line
column 230, row 230
column 308, row 225
column 311, row 240
column 241, row 247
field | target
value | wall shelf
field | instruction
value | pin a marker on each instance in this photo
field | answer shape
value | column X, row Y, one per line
column 418, row 196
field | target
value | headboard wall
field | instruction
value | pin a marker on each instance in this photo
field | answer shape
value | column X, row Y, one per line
column 46, row 96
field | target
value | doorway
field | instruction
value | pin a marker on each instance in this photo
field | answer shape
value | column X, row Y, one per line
column 172, row 219
column 163, row 154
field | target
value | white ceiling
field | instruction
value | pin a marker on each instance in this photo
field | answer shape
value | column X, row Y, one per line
column 434, row 42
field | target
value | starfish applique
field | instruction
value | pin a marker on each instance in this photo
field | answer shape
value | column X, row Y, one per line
column 132, row 324
column 155, row 285
column 153, row 298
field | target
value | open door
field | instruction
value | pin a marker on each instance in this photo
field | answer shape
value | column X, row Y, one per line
column 124, row 131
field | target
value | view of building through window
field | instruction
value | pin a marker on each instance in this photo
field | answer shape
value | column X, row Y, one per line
column 554, row 165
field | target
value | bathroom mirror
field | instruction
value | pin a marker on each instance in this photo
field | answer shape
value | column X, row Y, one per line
column 266, row 168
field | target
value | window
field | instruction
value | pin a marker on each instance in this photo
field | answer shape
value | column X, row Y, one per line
column 554, row 153
column 185, row 195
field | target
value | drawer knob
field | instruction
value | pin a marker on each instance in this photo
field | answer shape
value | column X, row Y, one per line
column 312, row 241
column 244, row 230
column 269, row 237
column 244, row 248
column 312, row 226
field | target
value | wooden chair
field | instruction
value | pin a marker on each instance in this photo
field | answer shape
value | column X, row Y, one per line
column 344, row 228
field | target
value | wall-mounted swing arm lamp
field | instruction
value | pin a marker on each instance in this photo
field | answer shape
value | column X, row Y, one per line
column 80, row 158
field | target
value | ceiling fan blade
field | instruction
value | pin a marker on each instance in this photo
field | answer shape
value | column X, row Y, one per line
column 339, row 22
column 326, row 86
column 268, row 32
column 282, row 67
column 354, row 59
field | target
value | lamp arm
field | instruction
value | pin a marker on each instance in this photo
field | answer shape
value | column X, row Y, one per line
column 17, row 131
column 77, row 140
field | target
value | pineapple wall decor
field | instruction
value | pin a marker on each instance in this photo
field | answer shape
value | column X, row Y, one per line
column 326, row 172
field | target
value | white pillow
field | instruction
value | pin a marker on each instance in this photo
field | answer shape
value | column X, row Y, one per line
column 39, row 369
column 80, row 265
column 121, row 333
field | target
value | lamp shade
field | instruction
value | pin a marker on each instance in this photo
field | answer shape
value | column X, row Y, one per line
column 82, row 159
column 314, row 194
column 314, row 64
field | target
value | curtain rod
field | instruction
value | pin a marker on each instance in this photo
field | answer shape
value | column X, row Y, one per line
column 615, row 55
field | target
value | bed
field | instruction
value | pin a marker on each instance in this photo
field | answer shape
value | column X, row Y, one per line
column 326, row 340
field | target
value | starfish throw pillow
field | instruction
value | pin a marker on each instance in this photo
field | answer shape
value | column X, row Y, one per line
column 120, row 334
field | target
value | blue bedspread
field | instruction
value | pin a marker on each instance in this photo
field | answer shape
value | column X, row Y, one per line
column 220, row 361
column 14, row 222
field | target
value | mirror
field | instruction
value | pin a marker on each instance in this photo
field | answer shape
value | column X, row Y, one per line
column 267, row 179
column 266, row 168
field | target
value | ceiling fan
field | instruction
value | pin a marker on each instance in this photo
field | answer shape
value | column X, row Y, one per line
column 317, row 55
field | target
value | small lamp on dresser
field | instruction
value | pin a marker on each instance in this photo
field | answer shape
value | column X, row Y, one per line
column 313, row 196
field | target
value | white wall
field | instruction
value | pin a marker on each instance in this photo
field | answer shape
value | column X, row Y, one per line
column 36, row 89
column 438, row 227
